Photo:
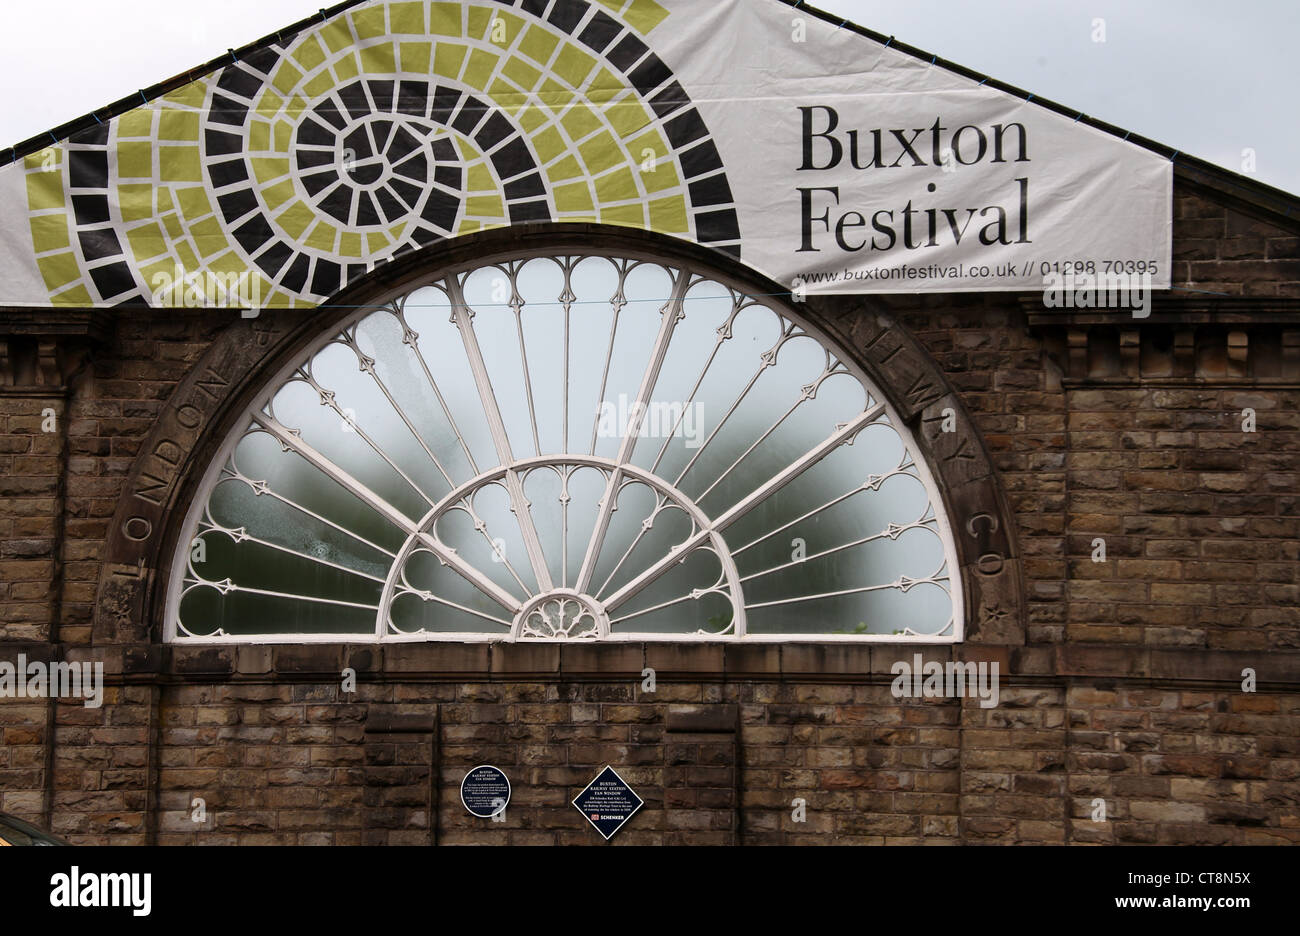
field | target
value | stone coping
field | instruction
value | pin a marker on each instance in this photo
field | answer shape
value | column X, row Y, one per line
column 503, row 661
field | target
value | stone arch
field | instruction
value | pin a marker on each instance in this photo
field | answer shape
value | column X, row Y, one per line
column 199, row 413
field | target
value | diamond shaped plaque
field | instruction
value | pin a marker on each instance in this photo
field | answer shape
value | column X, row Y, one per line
column 607, row 802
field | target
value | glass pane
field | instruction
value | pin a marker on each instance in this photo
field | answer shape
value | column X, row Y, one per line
column 428, row 447
column 418, row 404
column 668, row 606
column 412, row 611
column 595, row 282
column 428, row 312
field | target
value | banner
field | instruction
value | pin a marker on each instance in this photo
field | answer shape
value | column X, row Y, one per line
column 821, row 158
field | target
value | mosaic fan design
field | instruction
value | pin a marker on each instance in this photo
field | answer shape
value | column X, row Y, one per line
column 388, row 127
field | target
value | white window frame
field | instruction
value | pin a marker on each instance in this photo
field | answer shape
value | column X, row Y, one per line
column 709, row 531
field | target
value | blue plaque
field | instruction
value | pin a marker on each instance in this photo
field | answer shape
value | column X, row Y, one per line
column 485, row 791
column 607, row 802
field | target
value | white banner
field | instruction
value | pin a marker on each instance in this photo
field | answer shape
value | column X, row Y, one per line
column 862, row 169
column 821, row 158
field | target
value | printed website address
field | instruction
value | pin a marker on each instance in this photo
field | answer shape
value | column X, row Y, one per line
column 908, row 271
column 1174, row 902
column 998, row 271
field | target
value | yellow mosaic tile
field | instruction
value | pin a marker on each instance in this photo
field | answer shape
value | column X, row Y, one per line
column 479, row 68
column 538, row 44
column 193, row 203
column 619, row 185
column 573, row 65
column 644, row 15
column 136, row 201
column 295, row 219
column 406, row 18
column 259, row 135
column 135, row 160
column 50, row 232
column 286, row 77
column 147, row 241
column 179, row 164
column 378, row 59
column 58, row 269
column 574, row 197
column 346, row 68
column 445, row 19
column 448, row 58
column 370, row 22
column 601, row 152
column 209, row 237
column 309, row 53
column 416, row 57
column 136, row 123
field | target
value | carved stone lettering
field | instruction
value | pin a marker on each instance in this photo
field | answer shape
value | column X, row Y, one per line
column 883, row 347
column 212, row 384
column 964, row 450
column 921, row 392
column 189, row 416
column 169, row 452
column 981, row 519
column 150, row 488
column 990, row 564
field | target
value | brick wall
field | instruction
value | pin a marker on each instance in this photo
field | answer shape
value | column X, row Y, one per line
column 298, row 763
column 1126, row 689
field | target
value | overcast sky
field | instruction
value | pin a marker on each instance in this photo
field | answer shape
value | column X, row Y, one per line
column 1208, row 77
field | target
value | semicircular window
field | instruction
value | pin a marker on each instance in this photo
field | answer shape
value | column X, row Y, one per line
column 568, row 447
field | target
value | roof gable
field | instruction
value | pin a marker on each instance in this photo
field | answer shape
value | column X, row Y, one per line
column 294, row 165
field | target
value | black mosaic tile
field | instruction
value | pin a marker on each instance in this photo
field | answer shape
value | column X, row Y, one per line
column 495, row 129
column 711, row 191
column 236, row 204
column 253, row 233
column 296, row 279
column 381, row 92
column 90, row 209
column 567, row 14
column 513, row 159
column 713, row 226
column 113, row 280
column 441, row 210
column 627, row 53
column 274, row 258
column 228, row 173
column 226, row 110
column 600, row 32
column 325, row 281
column 685, row 128
column 99, row 243
column 235, row 80
column 650, row 74
column 87, row 169
column 701, row 159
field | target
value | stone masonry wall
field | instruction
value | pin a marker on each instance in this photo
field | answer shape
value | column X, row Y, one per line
column 293, row 763
column 1127, row 689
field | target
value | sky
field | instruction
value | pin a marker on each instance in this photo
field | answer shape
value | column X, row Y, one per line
column 1217, row 80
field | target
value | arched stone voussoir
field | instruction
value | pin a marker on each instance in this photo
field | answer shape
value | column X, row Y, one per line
column 200, row 412
column 173, row 454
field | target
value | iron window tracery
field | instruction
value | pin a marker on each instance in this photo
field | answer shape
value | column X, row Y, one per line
column 586, row 446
